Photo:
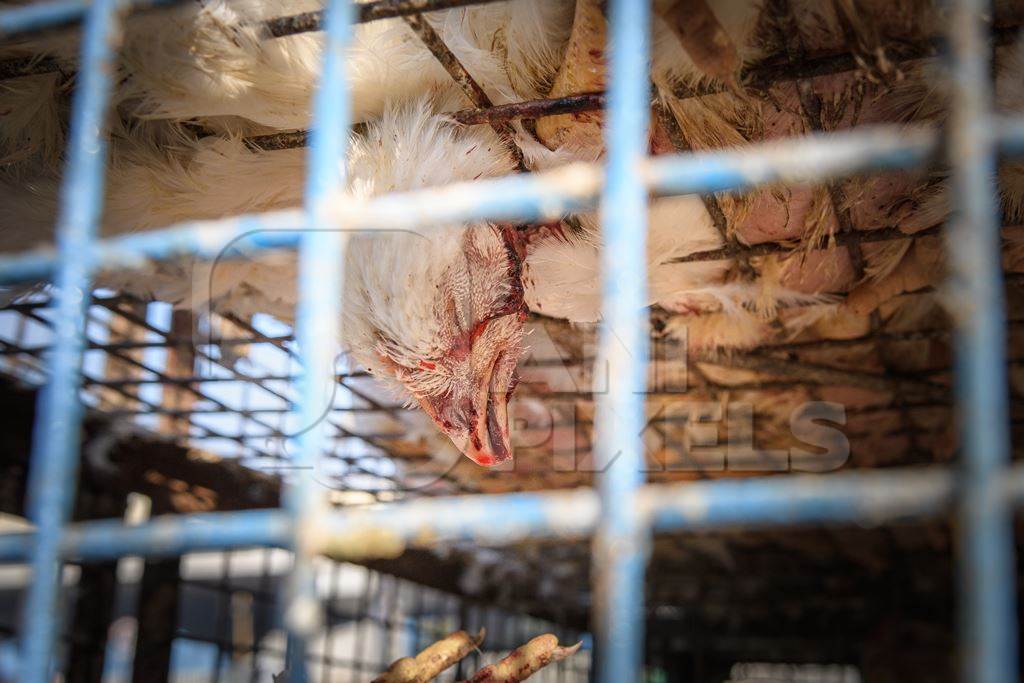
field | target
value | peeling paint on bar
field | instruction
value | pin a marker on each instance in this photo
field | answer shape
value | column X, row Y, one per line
column 621, row 539
column 53, row 473
column 862, row 498
column 317, row 329
column 527, row 197
column 810, row 158
column 163, row 536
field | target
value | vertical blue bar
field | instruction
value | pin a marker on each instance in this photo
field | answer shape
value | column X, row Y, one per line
column 321, row 256
column 988, row 600
column 56, row 432
column 620, row 542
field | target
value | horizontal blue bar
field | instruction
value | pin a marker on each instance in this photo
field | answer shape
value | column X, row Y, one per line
column 526, row 197
column 810, row 158
column 170, row 535
column 202, row 239
column 867, row 498
column 870, row 497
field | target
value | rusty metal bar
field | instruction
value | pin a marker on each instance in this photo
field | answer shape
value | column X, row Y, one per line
column 758, row 77
column 433, row 42
column 365, row 12
column 843, row 239
column 529, row 109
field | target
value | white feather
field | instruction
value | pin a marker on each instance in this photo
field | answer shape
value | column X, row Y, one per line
column 562, row 277
column 151, row 185
column 214, row 58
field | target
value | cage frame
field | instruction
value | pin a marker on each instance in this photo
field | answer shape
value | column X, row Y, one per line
column 623, row 511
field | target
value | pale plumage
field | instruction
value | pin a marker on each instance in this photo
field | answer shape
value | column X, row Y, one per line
column 562, row 277
column 437, row 315
column 430, row 312
column 216, row 59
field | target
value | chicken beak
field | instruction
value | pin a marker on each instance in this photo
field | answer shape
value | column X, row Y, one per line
column 484, row 436
column 489, row 443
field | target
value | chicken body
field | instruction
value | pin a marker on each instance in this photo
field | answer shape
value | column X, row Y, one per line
column 438, row 315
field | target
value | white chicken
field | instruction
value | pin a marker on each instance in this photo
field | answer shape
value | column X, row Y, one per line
column 439, row 314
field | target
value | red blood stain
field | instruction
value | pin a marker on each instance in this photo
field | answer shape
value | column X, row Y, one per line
column 484, row 459
column 478, row 330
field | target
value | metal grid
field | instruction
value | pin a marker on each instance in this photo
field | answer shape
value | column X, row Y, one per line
column 223, row 622
column 230, row 405
column 371, row 619
column 624, row 510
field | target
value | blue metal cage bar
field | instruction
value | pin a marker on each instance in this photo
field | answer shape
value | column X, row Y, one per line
column 988, row 606
column 620, row 541
column 58, row 420
column 622, row 512
column 536, row 196
column 860, row 497
column 321, row 255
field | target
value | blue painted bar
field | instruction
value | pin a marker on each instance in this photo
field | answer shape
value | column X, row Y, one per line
column 163, row 536
column 321, row 261
column 987, row 580
column 203, row 239
column 863, row 498
column 525, row 197
column 810, row 158
column 621, row 538
column 623, row 511
column 55, row 435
